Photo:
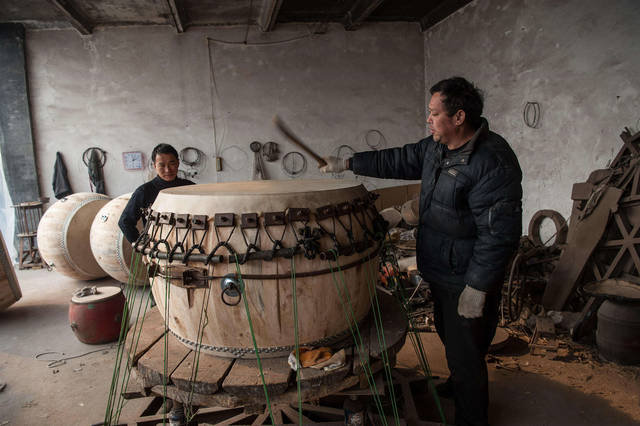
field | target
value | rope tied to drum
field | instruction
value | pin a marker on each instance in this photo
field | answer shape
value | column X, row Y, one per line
column 118, row 380
column 253, row 339
column 347, row 308
column 388, row 252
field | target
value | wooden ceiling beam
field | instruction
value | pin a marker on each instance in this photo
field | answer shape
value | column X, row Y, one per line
column 177, row 12
column 441, row 11
column 76, row 18
column 359, row 12
column 269, row 14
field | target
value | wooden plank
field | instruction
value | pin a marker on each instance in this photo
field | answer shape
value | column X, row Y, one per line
column 151, row 366
column 581, row 191
column 219, row 399
column 413, row 191
column 9, row 286
column 139, row 341
column 311, row 378
column 359, row 13
column 244, row 378
column 76, row 18
column 211, row 370
column 269, row 14
column 582, row 241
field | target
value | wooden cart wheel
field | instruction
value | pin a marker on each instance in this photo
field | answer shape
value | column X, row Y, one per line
column 512, row 298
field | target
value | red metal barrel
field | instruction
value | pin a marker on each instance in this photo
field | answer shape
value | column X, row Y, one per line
column 95, row 314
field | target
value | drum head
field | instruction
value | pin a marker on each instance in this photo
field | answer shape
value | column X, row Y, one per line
column 95, row 294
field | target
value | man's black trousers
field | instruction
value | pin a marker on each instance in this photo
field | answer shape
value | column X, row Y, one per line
column 466, row 342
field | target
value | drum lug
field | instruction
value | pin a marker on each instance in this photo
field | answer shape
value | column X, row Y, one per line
column 195, row 278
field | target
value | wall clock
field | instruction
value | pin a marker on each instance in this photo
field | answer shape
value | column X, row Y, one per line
column 133, row 160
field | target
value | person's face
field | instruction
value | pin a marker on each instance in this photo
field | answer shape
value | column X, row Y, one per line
column 441, row 126
column 166, row 166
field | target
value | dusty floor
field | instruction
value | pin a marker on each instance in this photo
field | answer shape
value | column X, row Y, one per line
column 576, row 388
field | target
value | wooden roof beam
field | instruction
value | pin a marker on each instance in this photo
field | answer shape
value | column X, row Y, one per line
column 269, row 14
column 76, row 18
column 359, row 12
column 437, row 14
column 177, row 12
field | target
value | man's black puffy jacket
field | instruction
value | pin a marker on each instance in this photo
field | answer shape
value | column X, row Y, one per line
column 470, row 205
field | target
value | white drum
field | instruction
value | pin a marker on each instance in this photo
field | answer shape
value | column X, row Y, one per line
column 63, row 235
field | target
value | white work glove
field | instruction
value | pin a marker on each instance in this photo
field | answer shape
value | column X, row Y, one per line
column 471, row 302
column 334, row 165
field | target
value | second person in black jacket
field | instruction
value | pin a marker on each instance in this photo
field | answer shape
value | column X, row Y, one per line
column 165, row 161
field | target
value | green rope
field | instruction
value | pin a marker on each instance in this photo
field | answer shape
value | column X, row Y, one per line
column 355, row 332
column 196, row 363
column 297, row 336
column 165, row 364
column 135, row 333
column 377, row 315
column 130, row 298
column 253, row 337
column 418, row 347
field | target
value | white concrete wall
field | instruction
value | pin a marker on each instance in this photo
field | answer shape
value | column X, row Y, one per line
column 127, row 89
column 580, row 59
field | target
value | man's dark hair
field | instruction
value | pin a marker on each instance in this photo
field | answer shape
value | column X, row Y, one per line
column 460, row 94
column 163, row 148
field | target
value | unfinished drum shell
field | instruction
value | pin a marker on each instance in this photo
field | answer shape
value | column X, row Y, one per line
column 63, row 235
column 110, row 248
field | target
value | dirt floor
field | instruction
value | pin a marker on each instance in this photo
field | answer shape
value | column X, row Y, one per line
column 570, row 386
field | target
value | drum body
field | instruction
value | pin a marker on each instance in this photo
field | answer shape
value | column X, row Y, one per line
column 63, row 235
column 241, row 214
column 96, row 316
column 110, row 248
column 9, row 287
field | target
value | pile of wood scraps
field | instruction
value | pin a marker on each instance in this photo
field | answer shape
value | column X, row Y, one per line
column 604, row 224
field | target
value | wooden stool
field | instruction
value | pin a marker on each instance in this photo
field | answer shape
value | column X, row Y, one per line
column 28, row 216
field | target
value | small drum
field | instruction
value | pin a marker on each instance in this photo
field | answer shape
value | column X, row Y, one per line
column 214, row 244
column 63, row 235
column 95, row 314
column 9, row 286
column 110, row 248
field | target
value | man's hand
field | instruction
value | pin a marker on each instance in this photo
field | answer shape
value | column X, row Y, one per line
column 471, row 302
column 334, row 165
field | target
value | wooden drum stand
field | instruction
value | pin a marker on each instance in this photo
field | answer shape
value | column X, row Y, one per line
column 230, row 391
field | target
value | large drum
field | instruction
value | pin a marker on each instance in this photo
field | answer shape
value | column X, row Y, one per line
column 110, row 248
column 9, row 286
column 63, row 235
column 212, row 244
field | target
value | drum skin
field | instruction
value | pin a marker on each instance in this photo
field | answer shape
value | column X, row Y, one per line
column 63, row 235
column 270, row 301
column 110, row 248
column 96, row 319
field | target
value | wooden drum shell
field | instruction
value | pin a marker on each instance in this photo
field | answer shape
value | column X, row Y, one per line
column 63, row 235
column 110, row 248
column 320, row 312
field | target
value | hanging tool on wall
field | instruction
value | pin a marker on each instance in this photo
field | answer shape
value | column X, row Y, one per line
column 293, row 138
column 95, row 158
column 258, row 167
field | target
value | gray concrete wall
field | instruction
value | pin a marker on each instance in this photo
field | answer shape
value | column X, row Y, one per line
column 127, row 89
column 580, row 59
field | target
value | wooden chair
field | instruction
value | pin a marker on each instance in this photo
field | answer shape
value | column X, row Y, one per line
column 28, row 216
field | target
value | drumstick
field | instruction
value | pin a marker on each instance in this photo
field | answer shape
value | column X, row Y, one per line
column 293, row 138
